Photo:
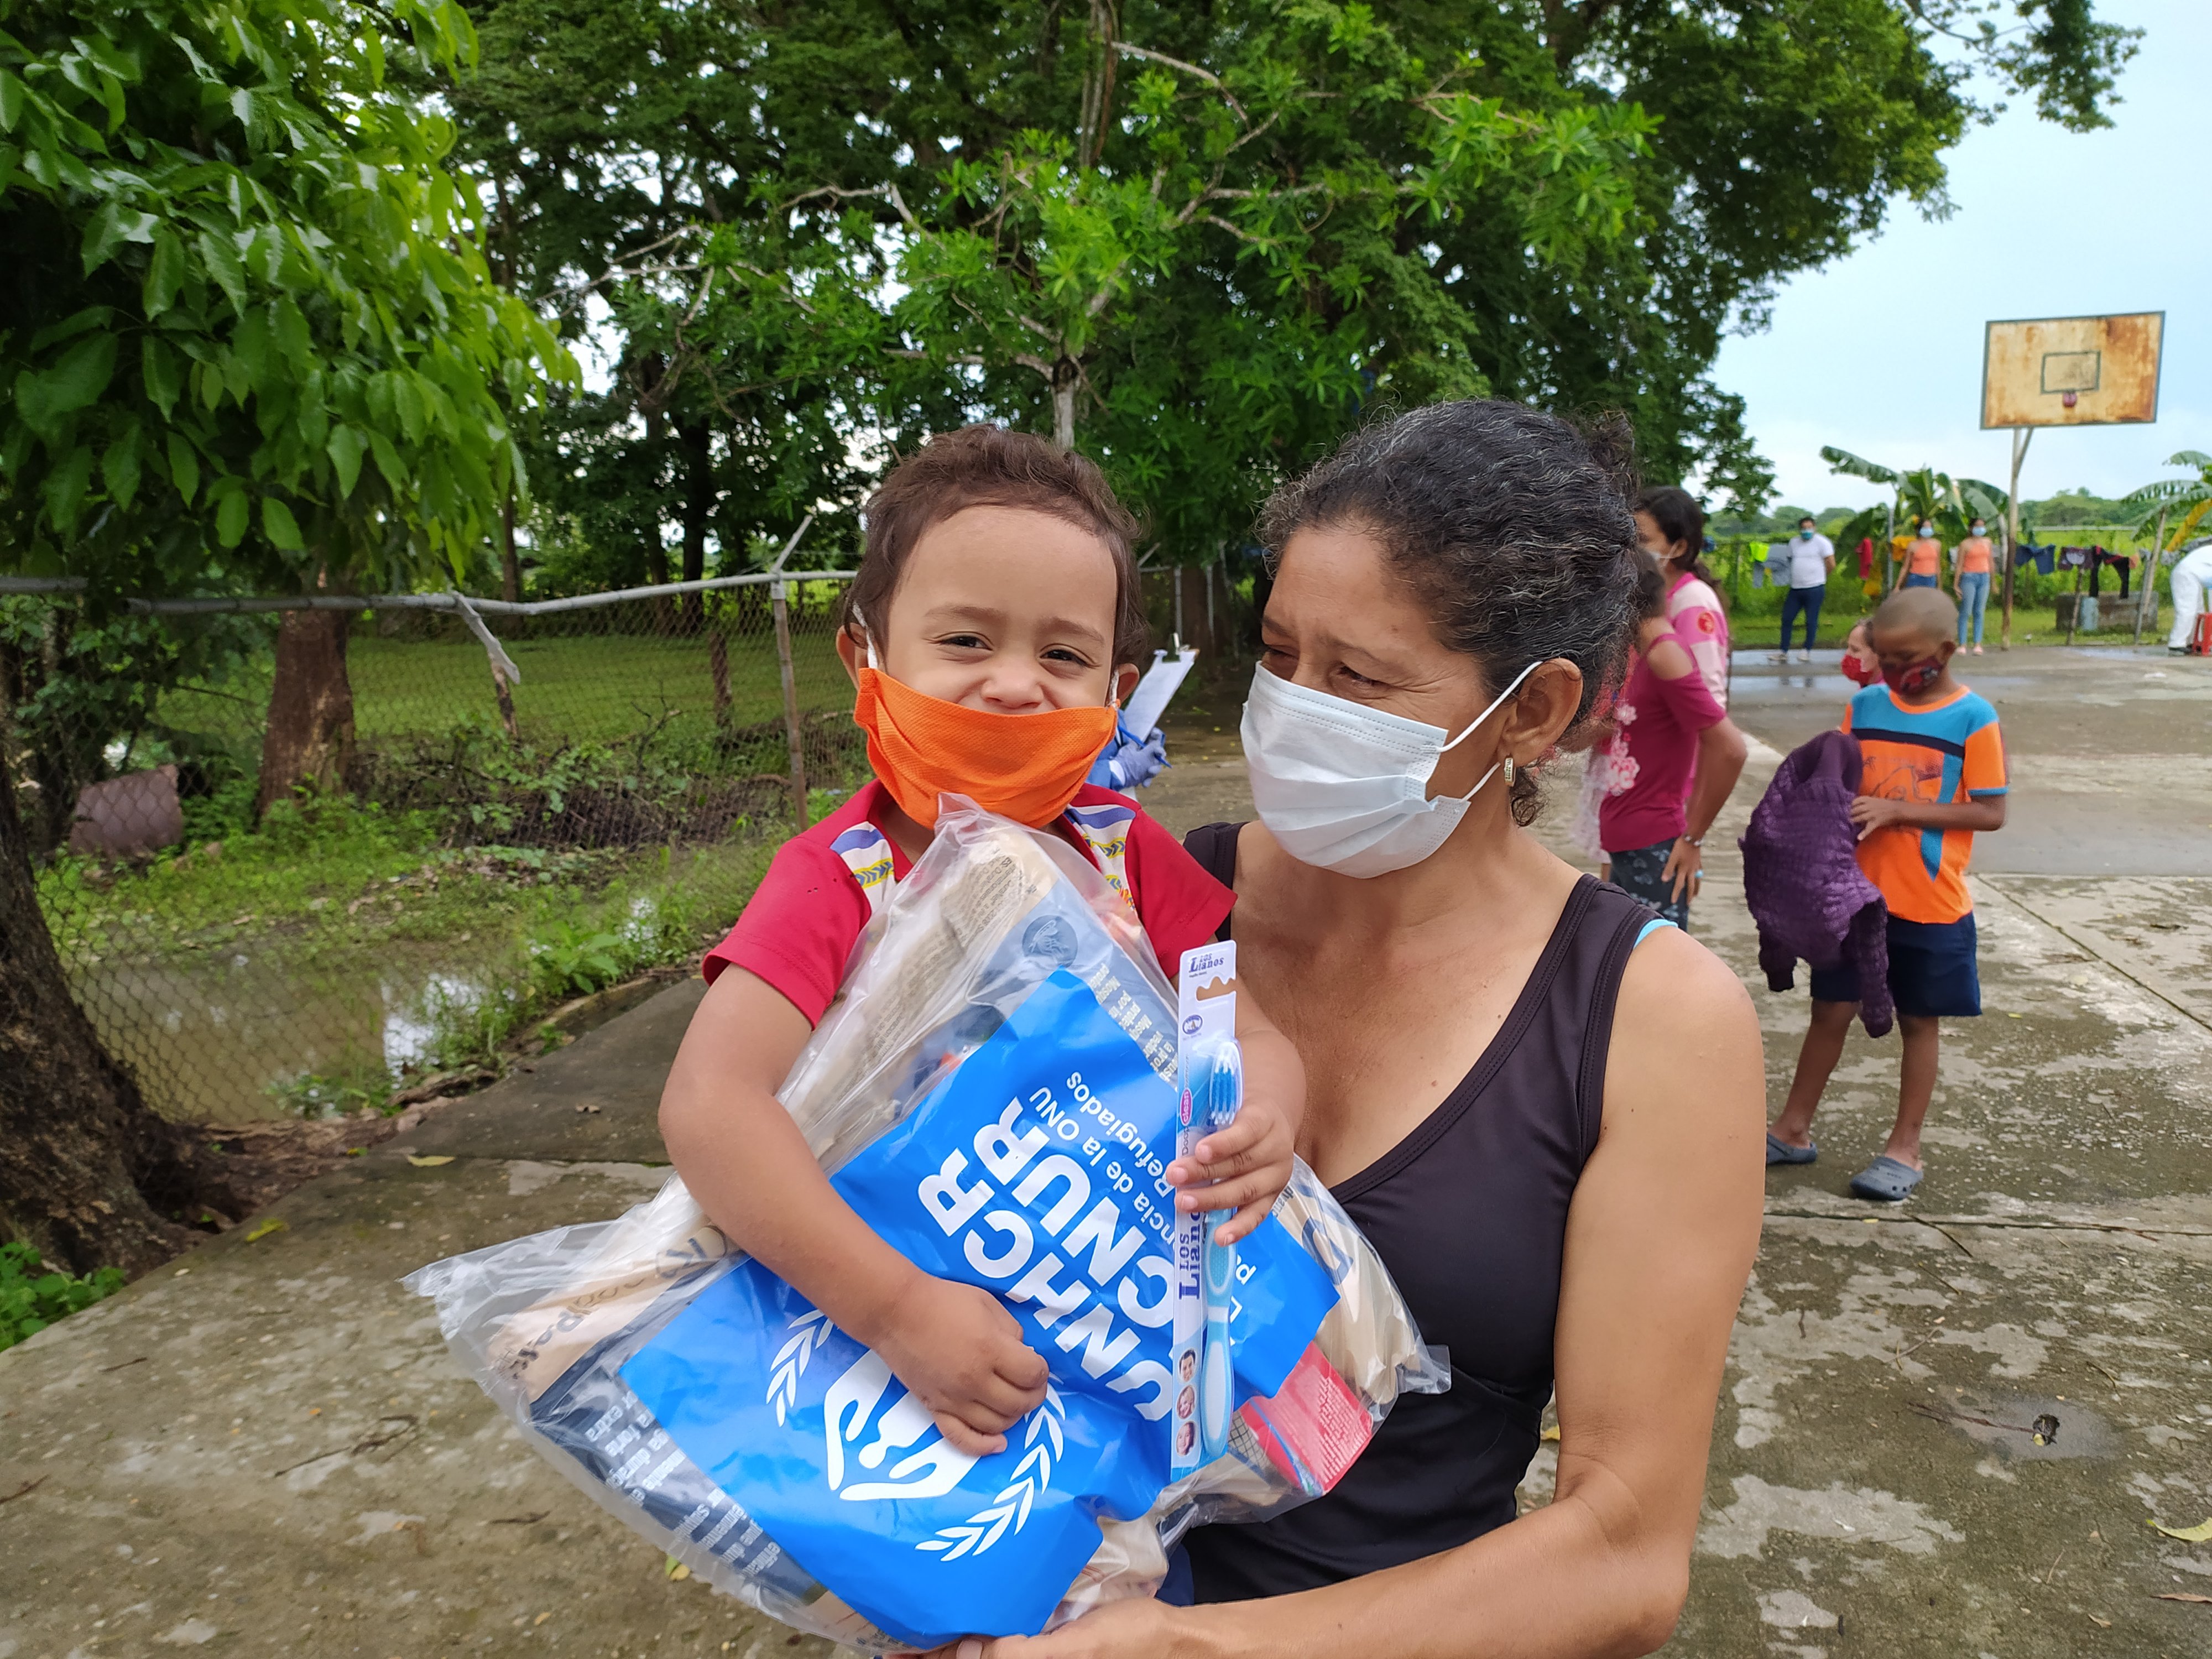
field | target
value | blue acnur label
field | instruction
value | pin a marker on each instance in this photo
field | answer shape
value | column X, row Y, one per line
column 1035, row 1171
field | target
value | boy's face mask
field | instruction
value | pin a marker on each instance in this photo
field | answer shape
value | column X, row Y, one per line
column 1024, row 767
column 1911, row 679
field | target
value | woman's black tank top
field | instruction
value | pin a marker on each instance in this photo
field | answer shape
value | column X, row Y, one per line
column 1469, row 1213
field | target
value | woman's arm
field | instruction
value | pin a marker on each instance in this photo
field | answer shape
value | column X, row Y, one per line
column 746, row 1162
column 1660, row 1241
column 1722, row 752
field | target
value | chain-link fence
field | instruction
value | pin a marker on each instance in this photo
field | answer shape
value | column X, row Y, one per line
column 584, row 796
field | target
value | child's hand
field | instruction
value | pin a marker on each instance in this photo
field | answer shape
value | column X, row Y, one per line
column 1249, row 1160
column 1872, row 812
column 962, row 1354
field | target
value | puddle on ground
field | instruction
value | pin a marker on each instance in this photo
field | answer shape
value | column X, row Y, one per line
column 2010, row 1425
column 209, row 1042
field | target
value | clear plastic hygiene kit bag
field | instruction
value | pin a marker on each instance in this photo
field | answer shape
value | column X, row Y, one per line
column 995, row 1092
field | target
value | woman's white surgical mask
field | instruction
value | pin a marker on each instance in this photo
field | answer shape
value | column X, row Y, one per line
column 1345, row 788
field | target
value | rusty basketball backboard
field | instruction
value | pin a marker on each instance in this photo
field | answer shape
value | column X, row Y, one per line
column 2072, row 371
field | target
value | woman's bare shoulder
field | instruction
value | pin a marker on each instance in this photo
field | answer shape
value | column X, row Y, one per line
column 1683, row 1025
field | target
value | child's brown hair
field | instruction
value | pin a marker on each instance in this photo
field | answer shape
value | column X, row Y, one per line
column 985, row 465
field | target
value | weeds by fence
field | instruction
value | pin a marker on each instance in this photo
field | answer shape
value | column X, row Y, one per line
column 500, row 846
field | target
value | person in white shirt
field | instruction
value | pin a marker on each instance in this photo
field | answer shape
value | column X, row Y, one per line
column 2192, row 573
column 1811, row 561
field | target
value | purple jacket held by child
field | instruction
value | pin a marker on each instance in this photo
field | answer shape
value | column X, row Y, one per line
column 1801, row 878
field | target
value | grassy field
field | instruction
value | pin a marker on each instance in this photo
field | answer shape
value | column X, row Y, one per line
column 1755, row 612
column 580, row 685
column 322, row 960
column 328, row 952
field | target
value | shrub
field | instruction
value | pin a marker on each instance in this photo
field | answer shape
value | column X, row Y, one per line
column 31, row 1300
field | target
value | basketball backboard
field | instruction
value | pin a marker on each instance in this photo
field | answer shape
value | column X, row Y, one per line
column 2072, row 371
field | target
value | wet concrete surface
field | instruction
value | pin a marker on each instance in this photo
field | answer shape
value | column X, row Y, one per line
column 263, row 1447
column 2093, row 727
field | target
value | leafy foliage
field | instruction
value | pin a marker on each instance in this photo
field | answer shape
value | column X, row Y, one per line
column 86, row 697
column 2181, row 503
column 31, row 1300
column 1925, row 495
column 1202, row 242
column 248, row 333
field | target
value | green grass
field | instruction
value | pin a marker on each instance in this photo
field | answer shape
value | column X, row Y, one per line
column 297, row 927
column 576, row 687
column 278, row 958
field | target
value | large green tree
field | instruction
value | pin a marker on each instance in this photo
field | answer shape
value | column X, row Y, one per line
column 246, row 337
column 1196, row 236
column 249, row 336
column 598, row 132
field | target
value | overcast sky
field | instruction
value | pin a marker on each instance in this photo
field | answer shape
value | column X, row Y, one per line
column 1881, row 353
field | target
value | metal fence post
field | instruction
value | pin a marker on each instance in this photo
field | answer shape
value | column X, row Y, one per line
column 791, row 727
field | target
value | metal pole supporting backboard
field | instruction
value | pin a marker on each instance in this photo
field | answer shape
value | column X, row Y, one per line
column 2146, row 595
column 2021, row 436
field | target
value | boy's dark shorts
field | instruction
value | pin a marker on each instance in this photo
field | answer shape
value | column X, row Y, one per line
column 1931, row 970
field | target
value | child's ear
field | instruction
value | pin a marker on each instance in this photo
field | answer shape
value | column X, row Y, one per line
column 852, row 652
column 1124, row 684
column 1948, row 649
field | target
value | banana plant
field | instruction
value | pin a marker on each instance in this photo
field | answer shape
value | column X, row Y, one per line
column 2183, row 503
column 1927, row 496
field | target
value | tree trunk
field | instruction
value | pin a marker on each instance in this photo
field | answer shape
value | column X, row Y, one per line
column 694, row 438
column 88, row 1175
column 718, row 667
column 510, row 567
column 1097, row 116
column 309, row 740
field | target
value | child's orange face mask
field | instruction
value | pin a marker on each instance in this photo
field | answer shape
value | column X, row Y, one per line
column 1024, row 767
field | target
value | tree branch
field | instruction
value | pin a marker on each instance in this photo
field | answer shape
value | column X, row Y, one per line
column 882, row 192
column 1206, row 76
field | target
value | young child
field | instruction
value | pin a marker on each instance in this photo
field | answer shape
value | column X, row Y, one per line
column 1935, row 773
column 1860, row 665
column 992, row 631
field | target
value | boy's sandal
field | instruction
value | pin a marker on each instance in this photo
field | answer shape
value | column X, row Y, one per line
column 1886, row 1181
column 1779, row 1151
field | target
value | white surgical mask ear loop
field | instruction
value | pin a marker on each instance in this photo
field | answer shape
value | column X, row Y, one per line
column 1479, row 719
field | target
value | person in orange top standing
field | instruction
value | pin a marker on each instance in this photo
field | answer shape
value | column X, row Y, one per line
column 1972, row 566
column 1924, row 560
column 1934, row 773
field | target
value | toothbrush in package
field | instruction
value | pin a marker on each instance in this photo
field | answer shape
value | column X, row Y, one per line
column 1210, row 1075
column 1225, row 1094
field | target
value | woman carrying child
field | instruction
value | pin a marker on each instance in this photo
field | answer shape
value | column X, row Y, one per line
column 1540, row 1103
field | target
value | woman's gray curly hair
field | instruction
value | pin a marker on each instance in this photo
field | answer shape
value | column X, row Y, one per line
column 1511, row 526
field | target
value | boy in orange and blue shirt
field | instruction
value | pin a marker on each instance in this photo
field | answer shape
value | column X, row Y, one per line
column 1933, row 773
